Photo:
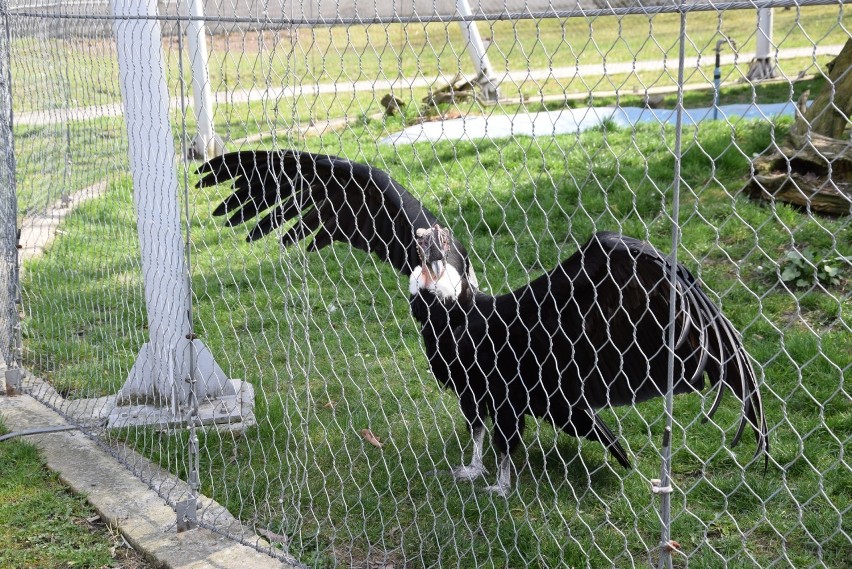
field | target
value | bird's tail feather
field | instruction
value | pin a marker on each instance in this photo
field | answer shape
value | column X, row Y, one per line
column 602, row 433
column 730, row 367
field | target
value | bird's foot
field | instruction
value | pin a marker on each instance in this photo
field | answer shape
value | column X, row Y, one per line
column 469, row 472
column 504, row 478
column 498, row 489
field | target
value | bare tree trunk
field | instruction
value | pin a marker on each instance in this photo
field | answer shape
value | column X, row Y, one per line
column 831, row 111
column 813, row 169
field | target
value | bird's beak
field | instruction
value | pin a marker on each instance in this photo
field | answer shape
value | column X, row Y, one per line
column 437, row 269
column 433, row 247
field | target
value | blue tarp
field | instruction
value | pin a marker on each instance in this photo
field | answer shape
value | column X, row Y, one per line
column 566, row 121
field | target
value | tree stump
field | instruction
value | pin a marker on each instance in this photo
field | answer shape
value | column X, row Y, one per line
column 813, row 167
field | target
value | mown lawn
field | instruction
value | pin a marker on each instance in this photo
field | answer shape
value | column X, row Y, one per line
column 44, row 525
column 53, row 75
column 50, row 73
column 328, row 344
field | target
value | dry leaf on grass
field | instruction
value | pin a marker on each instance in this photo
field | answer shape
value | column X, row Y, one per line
column 272, row 536
column 368, row 436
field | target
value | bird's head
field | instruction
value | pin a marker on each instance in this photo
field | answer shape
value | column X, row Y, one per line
column 444, row 269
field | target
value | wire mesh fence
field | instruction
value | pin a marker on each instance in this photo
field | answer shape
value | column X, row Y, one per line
column 292, row 386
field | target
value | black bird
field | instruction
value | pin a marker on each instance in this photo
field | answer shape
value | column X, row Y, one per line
column 589, row 334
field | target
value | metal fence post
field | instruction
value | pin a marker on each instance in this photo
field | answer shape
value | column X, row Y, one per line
column 663, row 486
column 9, row 322
column 763, row 65
column 187, row 509
column 142, row 74
column 485, row 76
column 205, row 144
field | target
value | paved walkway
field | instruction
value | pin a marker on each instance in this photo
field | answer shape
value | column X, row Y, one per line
column 382, row 86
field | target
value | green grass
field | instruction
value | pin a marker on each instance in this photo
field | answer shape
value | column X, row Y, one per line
column 307, row 330
column 51, row 74
column 94, row 149
column 54, row 161
column 55, row 74
column 43, row 525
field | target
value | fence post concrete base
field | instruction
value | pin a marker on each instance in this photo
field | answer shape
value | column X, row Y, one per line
column 12, row 378
column 152, row 397
column 761, row 69
column 150, row 381
column 235, row 412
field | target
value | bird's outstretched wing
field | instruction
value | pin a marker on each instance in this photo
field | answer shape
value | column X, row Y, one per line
column 602, row 316
column 324, row 197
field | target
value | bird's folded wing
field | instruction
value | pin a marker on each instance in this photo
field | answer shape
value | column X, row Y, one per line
column 602, row 317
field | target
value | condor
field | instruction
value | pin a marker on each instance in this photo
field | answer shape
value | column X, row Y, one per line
column 591, row 333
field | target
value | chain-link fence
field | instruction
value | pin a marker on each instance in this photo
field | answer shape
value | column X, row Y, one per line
column 291, row 385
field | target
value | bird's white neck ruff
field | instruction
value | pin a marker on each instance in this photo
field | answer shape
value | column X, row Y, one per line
column 447, row 287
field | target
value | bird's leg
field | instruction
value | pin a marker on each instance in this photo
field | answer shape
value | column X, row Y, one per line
column 509, row 427
column 504, row 477
column 475, row 469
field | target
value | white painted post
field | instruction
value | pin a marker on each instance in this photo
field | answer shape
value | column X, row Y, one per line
column 476, row 48
column 171, row 360
column 763, row 64
column 765, row 17
column 205, row 144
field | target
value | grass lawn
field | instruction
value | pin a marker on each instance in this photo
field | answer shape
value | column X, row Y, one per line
column 95, row 149
column 43, row 525
column 55, row 160
column 55, row 73
column 327, row 342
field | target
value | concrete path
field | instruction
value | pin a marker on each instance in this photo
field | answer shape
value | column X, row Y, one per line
column 381, row 86
column 39, row 229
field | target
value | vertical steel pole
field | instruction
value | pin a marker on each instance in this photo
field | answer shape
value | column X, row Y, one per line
column 717, row 79
column 205, row 144
column 765, row 18
column 763, row 65
column 187, row 518
column 717, row 72
column 476, row 48
column 9, row 290
column 664, row 488
column 142, row 78
column 166, row 362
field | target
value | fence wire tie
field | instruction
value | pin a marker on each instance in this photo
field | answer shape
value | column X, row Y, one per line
column 658, row 488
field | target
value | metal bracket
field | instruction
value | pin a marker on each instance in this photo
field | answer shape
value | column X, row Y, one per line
column 13, row 381
column 186, row 515
column 656, row 487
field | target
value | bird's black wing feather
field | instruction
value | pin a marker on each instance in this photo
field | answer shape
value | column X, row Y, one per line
column 327, row 197
column 599, row 321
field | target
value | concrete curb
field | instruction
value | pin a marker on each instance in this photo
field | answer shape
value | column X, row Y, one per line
column 126, row 502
